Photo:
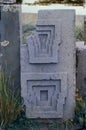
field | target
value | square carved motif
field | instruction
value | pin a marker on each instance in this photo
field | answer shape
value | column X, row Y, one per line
column 46, row 94
column 43, row 47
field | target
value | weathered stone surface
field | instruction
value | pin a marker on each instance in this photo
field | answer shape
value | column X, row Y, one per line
column 44, row 128
column 45, row 38
column 85, row 29
column 10, row 23
column 81, row 69
column 7, row 1
column 48, row 66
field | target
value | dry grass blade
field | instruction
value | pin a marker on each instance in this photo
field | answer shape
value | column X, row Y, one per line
column 10, row 106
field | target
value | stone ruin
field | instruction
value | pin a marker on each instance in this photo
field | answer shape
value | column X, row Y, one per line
column 10, row 27
column 48, row 66
column 81, row 68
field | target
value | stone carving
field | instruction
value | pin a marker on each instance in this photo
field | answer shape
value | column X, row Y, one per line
column 42, row 46
column 48, row 66
column 45, row 93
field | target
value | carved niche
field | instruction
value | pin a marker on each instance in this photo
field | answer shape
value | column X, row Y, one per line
column 43, row 45
column 45, row 94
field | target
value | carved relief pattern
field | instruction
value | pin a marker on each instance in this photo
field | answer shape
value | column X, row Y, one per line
column 42, row 46
column 45, row 40
column 46, row 95
column 45, row 72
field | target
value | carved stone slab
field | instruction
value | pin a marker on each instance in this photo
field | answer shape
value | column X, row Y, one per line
column 48, row 66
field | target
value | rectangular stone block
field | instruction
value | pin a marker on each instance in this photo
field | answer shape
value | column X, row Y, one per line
column 48, row 66
column 81, row 67
column 10, row 28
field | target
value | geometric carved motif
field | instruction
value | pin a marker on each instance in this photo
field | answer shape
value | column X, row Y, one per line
column 45, row 38
column 46, row 94
column 42, row 46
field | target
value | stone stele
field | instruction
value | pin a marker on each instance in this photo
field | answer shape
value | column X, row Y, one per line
column 48, row 66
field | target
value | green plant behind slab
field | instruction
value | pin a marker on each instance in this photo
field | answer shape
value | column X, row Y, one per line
column 80, row 115
column 10, row 106
column 79, row 34
column 80, row 112
column 62, row 124
column 28, row 29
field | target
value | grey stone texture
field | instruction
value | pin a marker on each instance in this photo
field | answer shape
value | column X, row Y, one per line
column 10, row 23
column 81, row 69
column 85, row 29
column 48, row 66
column 7, row 1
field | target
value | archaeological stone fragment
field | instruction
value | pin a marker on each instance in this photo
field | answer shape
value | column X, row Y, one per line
column 48, row 66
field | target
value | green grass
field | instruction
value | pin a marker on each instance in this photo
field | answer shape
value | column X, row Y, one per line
column 28, row 29
column 10, row 106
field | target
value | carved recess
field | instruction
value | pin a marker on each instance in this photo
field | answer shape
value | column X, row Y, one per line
column 45, row 95
column 43, row 47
